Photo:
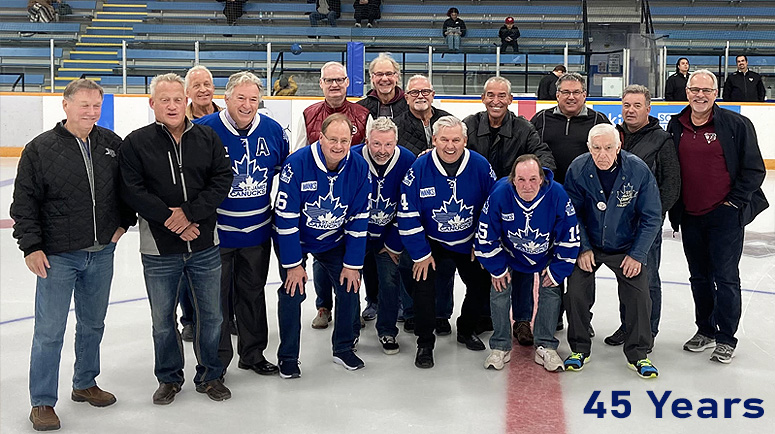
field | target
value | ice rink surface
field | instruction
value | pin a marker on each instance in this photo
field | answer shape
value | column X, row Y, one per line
column 390, row 394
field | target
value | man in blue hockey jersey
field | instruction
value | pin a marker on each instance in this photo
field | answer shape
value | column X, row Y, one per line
column 388, row 164
column 322, row 209
column 257, row 147
column 619, row 213
column 528, row 225
column 441, row 197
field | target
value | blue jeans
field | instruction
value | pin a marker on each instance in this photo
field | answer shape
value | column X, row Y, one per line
column 500, row 303
column 655, row 286
column 453, row 41
column 84, row 276
column 388, row 295
column 545, row 325
column 316, row 16
column 713, row 245
column 347, row 326
column 164, row 275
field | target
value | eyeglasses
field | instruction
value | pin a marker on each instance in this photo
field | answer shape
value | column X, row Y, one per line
column 385, row 74
column 343, row 142
column 569, row 93
column 414, row 93
column 705, row 90
column 330, row 81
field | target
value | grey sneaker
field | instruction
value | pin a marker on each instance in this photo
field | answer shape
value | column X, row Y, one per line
column 549, row 359
column 723, row 353
column 321, row 319
column 699, row 343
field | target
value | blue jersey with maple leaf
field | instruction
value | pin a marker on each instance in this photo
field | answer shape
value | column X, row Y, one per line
column 385, row 195
column 440, row 207
column 317, row 209
column 525, row 236
column 245, row 216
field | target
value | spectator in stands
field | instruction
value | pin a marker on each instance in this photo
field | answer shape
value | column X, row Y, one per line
column 454, row 29
column 675, row 87
column 67, row 223
column 326, row 10
column 367, row 10
column 285, row 86
column 200, row 90
column 643, row 136
column 744, row 85
column 42, row 11
column 547, row 87
column 722, row 172
column 233, row 9
column 385, row 97
column 509, row 33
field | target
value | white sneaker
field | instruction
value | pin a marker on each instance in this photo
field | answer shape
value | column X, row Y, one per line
column 497, row 359
column 549, row 359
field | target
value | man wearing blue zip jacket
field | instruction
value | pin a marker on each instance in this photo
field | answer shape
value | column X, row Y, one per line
column 619, row 214
column 257, row 147
column 322, row 209
column 175, row 174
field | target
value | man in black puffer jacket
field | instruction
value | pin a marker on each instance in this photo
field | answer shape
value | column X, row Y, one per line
column 415, row 125
column 68, row 216
column 385, row 97
column 501, row 136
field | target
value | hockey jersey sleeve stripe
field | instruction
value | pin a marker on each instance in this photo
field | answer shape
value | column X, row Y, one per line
column 288, row 215
column 408, row 214
column 561, row 244
column 352, row 267
column 410, row 231
column 356, row 234
column 502, row 274
column 244, row 230
column 249, row 213
column 568, row 260
column 327, row 234
column 287, row 231
column 363, row 215
column 488, row 254
column 452, row 243
column 292, row 265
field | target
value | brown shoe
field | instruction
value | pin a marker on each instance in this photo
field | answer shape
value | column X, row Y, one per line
column 44, row 418
column 94, row 396
column 523, row 333
column 165, row 394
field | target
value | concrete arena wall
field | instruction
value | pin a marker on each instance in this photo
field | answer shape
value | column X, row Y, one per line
column 24, row 115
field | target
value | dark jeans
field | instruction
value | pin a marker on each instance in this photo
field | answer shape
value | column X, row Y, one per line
column 633, row 293
column 521, row 298
column 513, row 44
column 245, row 270
column 713, row 244
column 655, row 286
column 346, row 324
column 477, row 282
column 445, row 284
column 323, row 285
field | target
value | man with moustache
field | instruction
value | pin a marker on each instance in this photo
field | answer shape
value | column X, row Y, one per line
column 385, row 98
column 617, row 205
column 722, row 172
column 442, row 195
column 257, row 147
column 175, row 175
column 68, row 217
column 388, row 164
column 322, row 209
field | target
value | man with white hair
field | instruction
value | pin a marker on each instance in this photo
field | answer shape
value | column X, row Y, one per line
column 200, row 90
column 257, row 147
column 619, row 214
column 442, row 195
column 722, row 172
column 385, row 98
column 175, row 174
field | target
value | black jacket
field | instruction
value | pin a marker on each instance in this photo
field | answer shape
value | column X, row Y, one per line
column 746, row 87
column 547, row 88
column 675, row 87
column 411, row 131
column 516, row 137
column 744, row 162
column 655, row 146
column 155, row 179
column 54, row 208
column 567, row 138
column 369, row 11
column 397, row 105
column 506, row 32
column 454, row 23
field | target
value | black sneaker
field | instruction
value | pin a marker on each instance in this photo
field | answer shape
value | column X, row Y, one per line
column 616, row 339
column 389, row 344
column 349, row 360
column 409, row 325
column 289, row 369
column 215, row 390
column 443, row 327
